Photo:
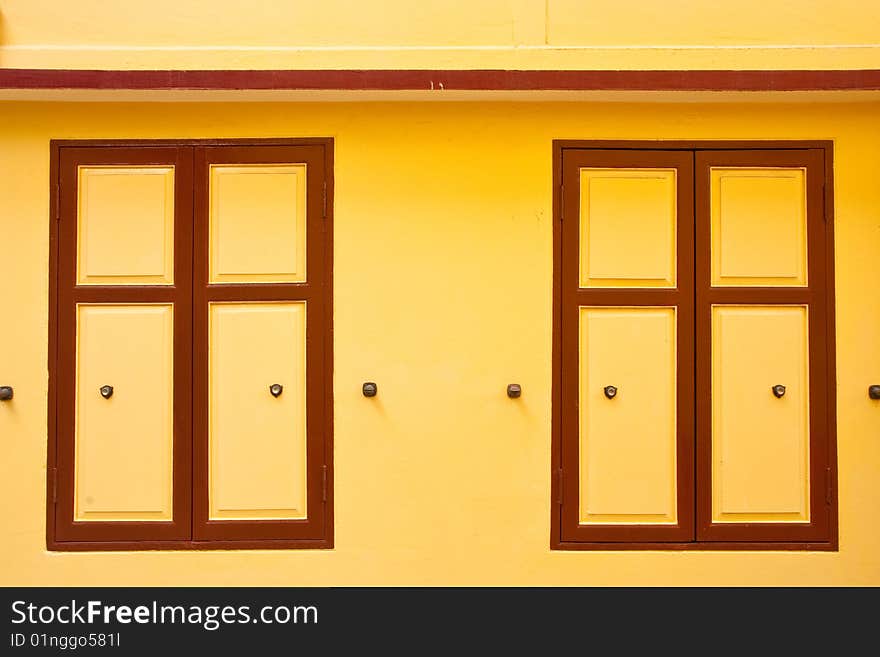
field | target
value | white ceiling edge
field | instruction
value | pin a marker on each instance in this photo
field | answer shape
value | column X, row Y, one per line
column 324, row 96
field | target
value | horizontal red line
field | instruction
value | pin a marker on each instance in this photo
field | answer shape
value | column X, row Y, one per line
column 405, row 80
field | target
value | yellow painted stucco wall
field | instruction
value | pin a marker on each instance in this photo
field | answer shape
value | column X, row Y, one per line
column 443, row 291
column 512, row 34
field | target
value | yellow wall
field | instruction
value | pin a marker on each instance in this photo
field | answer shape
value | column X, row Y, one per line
column 440, row 34
column 443, row 296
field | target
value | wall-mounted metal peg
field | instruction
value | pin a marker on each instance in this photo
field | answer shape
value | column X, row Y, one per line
column 874, row 391
column 276, row 389
column 370, row 389
column 610, row 392
column 6, row 393
column 514, row 390
column 106, row 392
column 778, row 391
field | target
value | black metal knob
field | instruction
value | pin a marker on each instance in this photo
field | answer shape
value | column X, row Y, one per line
column 370, row 389
column 514, row 390
column 5, row 393
column 276, row 389
column 778, row 391
column 873, row 392
column 610, row 392
column 106, row 392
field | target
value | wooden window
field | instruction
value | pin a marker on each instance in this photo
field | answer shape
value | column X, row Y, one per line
column 693, row 347
column 190, row 355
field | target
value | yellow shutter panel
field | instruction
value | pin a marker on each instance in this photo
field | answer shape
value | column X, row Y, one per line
column 627, row 227
column 760, row 436
column 125, row 225
column 257, row 434
column 759, row 226
column 257, row 223
column 124, row 412
column 628, row 433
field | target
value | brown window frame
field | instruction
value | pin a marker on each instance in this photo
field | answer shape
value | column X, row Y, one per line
column 822, row 531
column 190, row 528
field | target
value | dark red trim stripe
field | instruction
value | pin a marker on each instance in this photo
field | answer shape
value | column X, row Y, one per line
column 405, row 80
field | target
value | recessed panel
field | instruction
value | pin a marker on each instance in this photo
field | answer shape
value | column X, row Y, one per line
column 125, row 225
column 124, row 412
column 759, row 226
column 628, row 228
column 760, row 437
column 258, row 223
column 257, row 434
column 628, row 435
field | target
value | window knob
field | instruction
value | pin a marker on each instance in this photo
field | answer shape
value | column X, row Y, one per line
column 276, row 389
column 873, row 392
column 514, row 390
column 370, row 389
column 5, row 393
column 106, row 392
column 610, row 392
column 779, row 391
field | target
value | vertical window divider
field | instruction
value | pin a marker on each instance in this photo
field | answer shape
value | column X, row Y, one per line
column 192, row 353
column 693, row 420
